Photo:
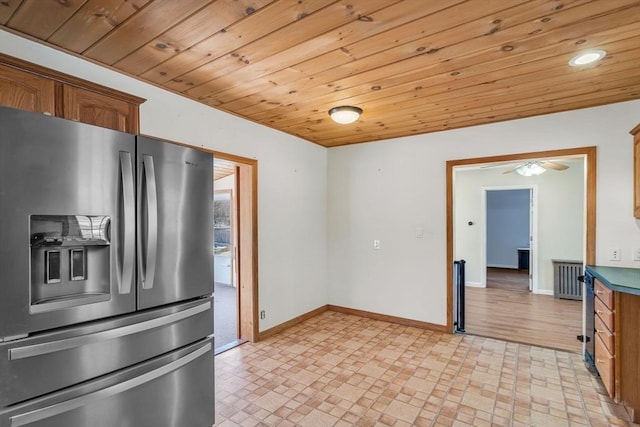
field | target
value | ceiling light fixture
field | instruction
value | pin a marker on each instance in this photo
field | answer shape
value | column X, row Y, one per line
column 345, row 114
column 588, row 57
column 531, row 169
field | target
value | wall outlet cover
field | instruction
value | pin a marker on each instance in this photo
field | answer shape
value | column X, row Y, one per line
column 614, row 254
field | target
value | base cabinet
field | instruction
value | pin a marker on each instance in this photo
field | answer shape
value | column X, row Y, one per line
column 617, row 343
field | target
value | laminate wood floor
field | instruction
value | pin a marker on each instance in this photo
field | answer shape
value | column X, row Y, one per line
column 520, row 316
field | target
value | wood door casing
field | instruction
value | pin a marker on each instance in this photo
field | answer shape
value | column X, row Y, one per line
column 26, row 91
column 636, row 171
column 590, row 158
column 101, row 110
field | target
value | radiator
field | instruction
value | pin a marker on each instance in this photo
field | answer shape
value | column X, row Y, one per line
column 565, row 279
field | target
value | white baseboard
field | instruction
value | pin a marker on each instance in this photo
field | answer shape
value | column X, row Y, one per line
column 475, row 285
column 544, row 292
column 512, row 267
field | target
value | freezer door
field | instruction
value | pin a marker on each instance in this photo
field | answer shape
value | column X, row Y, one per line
column 175, row 222
column 48, row 362
column 67, row 221
column 174, row 390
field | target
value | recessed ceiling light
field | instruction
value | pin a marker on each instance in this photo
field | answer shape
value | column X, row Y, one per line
column 587, row 57
column 345, row 114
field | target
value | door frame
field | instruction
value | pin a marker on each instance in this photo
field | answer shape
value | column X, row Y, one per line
column 246, row 199
column 590, row 160
column 533, row 231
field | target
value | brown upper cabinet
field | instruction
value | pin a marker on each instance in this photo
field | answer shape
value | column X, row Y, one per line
column 636, row 171
column 30, row 87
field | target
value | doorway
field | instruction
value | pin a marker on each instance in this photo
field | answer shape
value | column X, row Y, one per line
column 491, row 307
column 509, row 219
column 235, row 251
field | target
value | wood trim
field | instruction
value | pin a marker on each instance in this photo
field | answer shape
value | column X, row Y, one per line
column 636, row 171
column 233, row 158
column 354, row 312
column 391, row 319
column 449, row 226
column 247, row 195
column 293, row 322
column 590, row 204
column 63, row 78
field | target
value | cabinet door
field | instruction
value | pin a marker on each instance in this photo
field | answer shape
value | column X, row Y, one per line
column 26, row 91
column 98, row 109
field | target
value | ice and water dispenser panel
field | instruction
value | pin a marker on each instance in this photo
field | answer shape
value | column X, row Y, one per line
column 70, row 260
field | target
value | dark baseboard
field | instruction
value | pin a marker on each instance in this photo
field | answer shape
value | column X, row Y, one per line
column 293, row 322
column 352, row 311
column 391, row 319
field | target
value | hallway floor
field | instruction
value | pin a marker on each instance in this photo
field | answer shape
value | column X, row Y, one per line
column 342, row 370
column 505, row 309
column 225, row 315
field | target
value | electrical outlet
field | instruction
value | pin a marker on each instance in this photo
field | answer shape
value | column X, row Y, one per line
column 263, row 314
column 614, row 254
column 635, row 254
column 376, row 244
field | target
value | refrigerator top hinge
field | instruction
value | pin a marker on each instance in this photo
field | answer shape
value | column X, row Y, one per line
column 13, row 338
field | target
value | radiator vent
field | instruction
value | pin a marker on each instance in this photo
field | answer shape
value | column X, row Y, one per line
column 565, row 279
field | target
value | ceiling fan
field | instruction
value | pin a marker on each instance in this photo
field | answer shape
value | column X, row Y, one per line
column 533, row 167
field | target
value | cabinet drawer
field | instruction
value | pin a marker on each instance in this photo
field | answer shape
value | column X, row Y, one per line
column 604, row 313
column 605, row 334
column 605, row 365
column 605, row 294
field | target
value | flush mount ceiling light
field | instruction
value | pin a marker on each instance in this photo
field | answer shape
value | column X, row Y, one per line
column 588, row 57
column 530, row 169
column 345, row 114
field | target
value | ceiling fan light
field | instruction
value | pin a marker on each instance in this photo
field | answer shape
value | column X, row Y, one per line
column 588, row 57
column 531, row 169
column 345, row 114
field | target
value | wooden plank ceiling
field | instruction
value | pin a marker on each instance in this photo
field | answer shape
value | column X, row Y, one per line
column 413, row 66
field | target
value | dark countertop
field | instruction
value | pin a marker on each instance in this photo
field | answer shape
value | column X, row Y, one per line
column 617, row 278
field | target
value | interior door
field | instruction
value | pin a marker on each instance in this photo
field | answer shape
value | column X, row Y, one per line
column 175, row 223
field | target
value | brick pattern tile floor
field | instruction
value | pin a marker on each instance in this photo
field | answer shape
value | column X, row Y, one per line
column 342, row 370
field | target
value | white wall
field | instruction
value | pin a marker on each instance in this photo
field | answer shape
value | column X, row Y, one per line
column 384, row 190
column 292, row 185
column 354, row 194
column 560, row 220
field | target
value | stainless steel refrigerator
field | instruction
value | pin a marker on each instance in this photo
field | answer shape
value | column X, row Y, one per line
column 106, row 277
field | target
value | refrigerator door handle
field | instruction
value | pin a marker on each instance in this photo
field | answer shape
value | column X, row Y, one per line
column 149, row 239
column 129, row 223
column 68, row 343
column 69, row 405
